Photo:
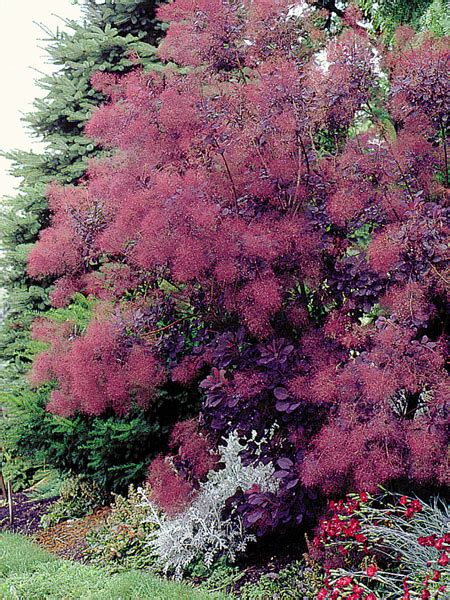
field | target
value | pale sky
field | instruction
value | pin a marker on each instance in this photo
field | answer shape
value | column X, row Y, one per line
column 20, row 53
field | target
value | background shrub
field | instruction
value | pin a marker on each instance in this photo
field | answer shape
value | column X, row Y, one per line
column 112, row 450
column 275, row 253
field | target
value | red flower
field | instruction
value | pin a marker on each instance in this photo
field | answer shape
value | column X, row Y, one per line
column 413, row 508
column 425, row 595
column 404, row 500
column 443, row 561
column 406, row 595
column 343, row 582
column 351, row 506
column 370, row 596
column 427, row 541
column 363, row 497
column 436, row 576
column 322, row 594
column 371, row 570
column 440, row 543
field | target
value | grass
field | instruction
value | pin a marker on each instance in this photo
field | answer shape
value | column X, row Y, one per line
column 27, row 572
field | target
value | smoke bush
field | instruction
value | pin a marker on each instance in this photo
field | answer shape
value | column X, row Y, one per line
column 269, row 233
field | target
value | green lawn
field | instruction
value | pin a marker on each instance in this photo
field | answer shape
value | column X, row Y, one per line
column 28, row 572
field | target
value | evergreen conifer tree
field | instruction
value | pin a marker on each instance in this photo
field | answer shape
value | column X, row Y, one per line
column 386, row 15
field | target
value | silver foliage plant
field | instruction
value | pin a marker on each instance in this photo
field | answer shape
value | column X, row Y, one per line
column 201, row 531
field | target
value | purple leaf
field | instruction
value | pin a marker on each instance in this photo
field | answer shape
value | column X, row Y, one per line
column 281, row 474
column 254, row 516
column 285, row 463
column 281, row 393
column 282, row 406
column 292, row 484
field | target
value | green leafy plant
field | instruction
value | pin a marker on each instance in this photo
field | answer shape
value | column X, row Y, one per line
column 112, row 450
column 221, row 576
column 436, row 19
column 46, row 484
column 386, row 15
column 294, row 581
column 121, row 543
column 18, row 470
column 80, row 496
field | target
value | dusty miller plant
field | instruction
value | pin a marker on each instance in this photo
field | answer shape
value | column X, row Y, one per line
column 202, row 531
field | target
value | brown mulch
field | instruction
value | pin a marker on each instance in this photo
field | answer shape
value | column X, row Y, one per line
column 68, row 539
column 27, row 513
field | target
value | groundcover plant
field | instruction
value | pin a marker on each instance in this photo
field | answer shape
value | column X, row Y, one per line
column 268, row 232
